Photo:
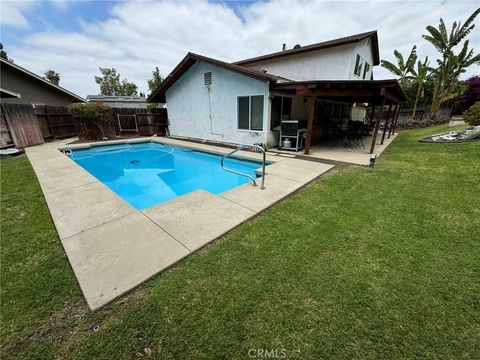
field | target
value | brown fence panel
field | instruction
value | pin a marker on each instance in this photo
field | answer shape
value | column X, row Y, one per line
column 154, row 122
column 149, row 122
column 55, row 122
column 5, row 136
column 23, row 124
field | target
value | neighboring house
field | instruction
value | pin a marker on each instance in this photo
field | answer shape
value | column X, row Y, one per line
column 119, row 101
column 244, row 102
column 30, row 88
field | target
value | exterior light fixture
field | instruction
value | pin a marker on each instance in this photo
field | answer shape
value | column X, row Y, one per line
column 373, row 157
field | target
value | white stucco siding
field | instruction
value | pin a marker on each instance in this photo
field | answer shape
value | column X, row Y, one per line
column 363, row 49
column 335, row 63
column 189, row 106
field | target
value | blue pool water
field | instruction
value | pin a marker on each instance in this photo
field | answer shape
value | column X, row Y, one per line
column 147, row 174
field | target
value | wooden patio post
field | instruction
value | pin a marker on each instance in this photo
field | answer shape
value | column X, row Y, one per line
column 312, row 100
column 387, row 118
column 394, row 119
column 377, row 124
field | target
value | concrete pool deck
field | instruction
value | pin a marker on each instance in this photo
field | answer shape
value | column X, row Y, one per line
column 113, row 247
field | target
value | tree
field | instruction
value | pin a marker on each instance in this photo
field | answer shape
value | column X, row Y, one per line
column 3, row 54
column 155, row 81
column 95, row 113
column 419, row 77
column 111, row 85
column 52, row 76
column 403, row 68
column 450, row 66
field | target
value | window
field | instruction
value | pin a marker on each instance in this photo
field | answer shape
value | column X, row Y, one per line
column 366, row 70
column 250, row 112
column 358, row 66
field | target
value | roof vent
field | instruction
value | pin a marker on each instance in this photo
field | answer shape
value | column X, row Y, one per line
column 207, row 78
column 297, row 46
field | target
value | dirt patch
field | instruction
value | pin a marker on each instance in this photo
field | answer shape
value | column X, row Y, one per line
column 59, row 325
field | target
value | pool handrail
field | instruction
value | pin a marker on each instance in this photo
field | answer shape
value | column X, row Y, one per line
column 243, row 146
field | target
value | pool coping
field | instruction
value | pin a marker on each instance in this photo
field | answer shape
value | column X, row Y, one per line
column 100, row 231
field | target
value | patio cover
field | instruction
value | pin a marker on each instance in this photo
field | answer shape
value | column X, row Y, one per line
column 374, row 92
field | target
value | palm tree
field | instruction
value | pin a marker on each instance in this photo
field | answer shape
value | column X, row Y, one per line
column 419, row 77
column 450, row 66
column 403, row 68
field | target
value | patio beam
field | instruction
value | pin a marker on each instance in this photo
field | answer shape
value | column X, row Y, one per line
column 377, row 124
column 312, row 101
column 337, row 92
column 387, row 119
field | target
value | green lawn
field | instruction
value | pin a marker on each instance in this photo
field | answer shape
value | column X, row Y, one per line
column 362, row 264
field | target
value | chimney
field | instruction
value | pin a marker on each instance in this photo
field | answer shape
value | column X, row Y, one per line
column 284, row 47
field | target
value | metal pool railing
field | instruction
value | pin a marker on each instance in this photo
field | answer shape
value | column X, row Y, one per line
column 243, row 146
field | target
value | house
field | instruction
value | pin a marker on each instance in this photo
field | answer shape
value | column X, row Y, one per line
column 119, row 101
column 246, row 101
column 21, row 86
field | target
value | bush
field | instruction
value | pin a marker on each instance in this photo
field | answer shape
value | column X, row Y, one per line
column 472, row 115
column 91, row 113
column 473, row 135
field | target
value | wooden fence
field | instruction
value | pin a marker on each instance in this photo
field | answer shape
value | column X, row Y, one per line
column 55, row 122
column 23, row 125
column 422, row 118
column 126, row 122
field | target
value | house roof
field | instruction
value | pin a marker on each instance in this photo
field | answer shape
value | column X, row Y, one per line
column 115, row 98
column 37, row 77
column 190, row 59
column 319, row 46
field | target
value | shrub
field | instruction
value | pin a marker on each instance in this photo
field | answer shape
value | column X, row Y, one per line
column 473, row 135
column 472, row 115
column 93, row 113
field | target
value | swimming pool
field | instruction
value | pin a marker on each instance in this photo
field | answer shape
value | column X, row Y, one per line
column 147, row 174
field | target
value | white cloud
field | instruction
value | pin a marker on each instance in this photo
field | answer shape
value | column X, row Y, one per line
column 12, row 12
column 141, row 35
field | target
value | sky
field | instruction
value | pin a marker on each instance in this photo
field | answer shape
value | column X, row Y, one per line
column 75, row 37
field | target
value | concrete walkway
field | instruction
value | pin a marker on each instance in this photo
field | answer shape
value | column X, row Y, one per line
column 113, row 248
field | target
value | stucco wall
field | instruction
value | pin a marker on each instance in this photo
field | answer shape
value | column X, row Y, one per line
column 31, row 90
column 328, row 64
column 189, row 106
column 364, row 50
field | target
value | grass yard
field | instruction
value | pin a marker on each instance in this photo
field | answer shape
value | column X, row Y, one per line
column 362, row 264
